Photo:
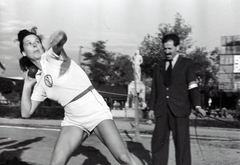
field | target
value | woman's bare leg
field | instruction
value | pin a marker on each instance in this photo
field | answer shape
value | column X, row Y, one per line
column 69, row 139
column 108, row 133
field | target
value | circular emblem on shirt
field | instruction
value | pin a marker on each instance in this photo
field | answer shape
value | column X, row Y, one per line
column 48, row 80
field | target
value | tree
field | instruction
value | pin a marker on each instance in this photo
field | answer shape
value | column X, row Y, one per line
column 206, row 70
column 151, row 47
column 107, row 68
column 207, row 67
column 98, row 63
column 6, row 85
column 121, row 70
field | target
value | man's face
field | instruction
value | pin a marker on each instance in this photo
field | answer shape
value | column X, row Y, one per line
column 170, row 50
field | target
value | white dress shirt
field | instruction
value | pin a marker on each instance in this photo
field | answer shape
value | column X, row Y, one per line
column 173, row 61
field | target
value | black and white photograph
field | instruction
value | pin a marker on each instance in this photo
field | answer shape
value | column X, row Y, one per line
column 119, row 82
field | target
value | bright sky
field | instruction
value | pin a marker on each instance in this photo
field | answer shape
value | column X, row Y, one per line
column 122, row 23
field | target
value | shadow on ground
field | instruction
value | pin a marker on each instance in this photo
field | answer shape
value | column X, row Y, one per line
column 94, row 156
column 11, row 154
column 138, row 149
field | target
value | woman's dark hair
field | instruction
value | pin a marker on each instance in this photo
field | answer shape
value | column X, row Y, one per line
column 25, row 62
column 172, row 37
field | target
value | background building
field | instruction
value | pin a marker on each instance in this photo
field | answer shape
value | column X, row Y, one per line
column 229, row 74
column 229, row 71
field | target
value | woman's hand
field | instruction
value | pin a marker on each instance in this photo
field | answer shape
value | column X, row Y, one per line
column 29, row 81
column 56, row 41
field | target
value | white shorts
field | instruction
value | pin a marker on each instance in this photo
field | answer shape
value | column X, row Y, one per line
column 87, row 112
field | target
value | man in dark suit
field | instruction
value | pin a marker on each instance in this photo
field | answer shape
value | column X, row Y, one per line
column 174, row 93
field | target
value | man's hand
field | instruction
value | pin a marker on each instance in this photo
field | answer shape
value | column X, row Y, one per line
column 151, row 114
column 200, row 111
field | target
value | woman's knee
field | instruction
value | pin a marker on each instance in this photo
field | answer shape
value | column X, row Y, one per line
column 57, row 162
column 124, row 157
column 58, row 159
column 129, row 158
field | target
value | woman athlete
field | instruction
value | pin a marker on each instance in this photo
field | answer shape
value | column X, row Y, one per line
column 60, row 79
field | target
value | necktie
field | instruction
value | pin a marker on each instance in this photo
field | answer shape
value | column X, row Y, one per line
column 168, row 75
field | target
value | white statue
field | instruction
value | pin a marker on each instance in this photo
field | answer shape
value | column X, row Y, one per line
column 137, row 61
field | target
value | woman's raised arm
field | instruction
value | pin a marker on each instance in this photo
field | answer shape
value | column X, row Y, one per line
column 56, row 41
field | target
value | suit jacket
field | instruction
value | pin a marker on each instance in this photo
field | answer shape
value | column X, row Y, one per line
column 178, row 97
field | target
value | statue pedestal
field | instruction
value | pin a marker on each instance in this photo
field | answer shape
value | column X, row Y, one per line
column 141, row 89
column 141, row 93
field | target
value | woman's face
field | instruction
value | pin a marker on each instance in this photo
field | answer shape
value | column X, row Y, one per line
column 33, row 47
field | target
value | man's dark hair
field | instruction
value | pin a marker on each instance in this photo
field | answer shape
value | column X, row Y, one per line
column 173, row 37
